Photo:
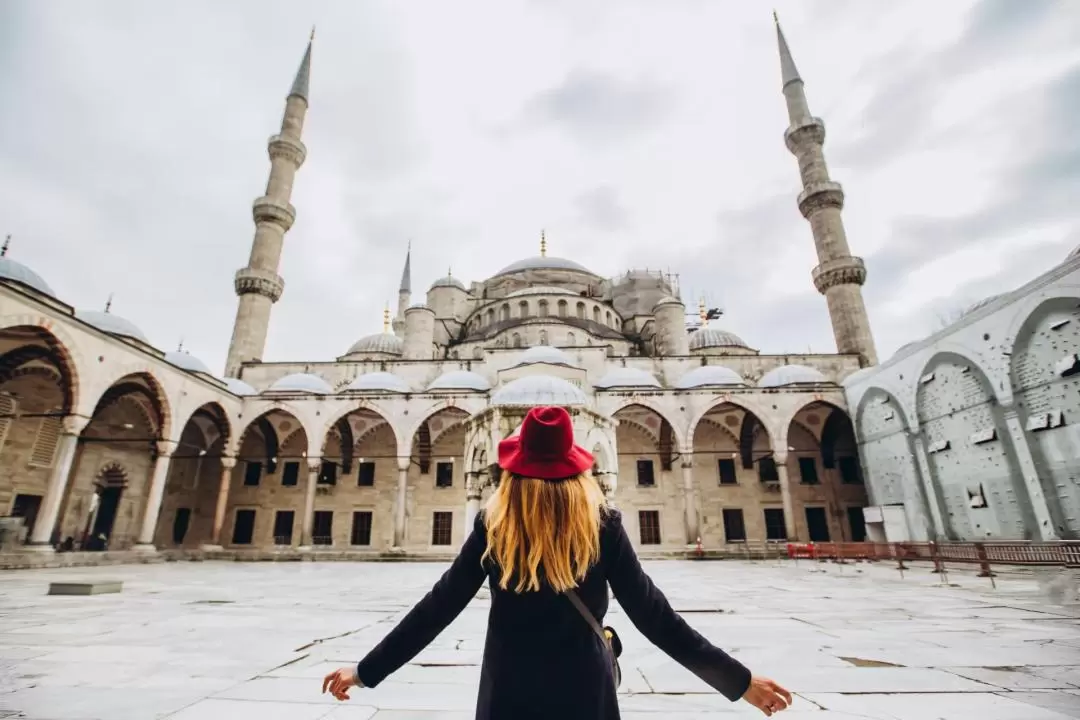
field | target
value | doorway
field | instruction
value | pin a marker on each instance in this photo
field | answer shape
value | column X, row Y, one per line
column 108, row 506
column 26, row 507
column 817, row 524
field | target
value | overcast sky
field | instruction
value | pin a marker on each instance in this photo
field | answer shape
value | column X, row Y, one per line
column 639, row 134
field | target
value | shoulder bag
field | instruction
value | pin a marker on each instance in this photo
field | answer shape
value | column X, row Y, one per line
column 607, row 635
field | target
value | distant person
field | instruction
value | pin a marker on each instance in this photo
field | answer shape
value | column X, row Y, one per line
column 549, row 546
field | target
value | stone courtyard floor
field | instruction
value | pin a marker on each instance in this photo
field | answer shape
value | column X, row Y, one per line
column 239, row 641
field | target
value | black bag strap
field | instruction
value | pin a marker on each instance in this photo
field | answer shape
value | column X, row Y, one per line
column 582, row 608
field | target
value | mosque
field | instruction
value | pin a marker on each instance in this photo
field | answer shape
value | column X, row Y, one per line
column 108, row 442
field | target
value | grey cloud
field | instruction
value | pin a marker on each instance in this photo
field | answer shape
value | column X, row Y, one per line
column 601, row 209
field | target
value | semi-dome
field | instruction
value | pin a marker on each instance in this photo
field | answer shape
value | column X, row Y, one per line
column 545, row 354
column 709, row 337
column 449, row 281
column 791, row 375
column 17, row 272
column 378, row 382
column 541, row 290
column 709, row 376
column 239, row 387
column 543, row 262
column 625, row 377
column 459, row 381
column 301, row 383
column 186, row 361
column 112, row 324
column 536, row 390
column 385, row 342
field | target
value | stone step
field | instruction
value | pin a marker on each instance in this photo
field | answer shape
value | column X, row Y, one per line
column 90, row 587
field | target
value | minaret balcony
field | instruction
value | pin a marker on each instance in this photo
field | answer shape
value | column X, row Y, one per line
column 290, row 148
column 803, row 132
column 259, row 282
column 268, row 209
column 815, row 196
column 848, row 270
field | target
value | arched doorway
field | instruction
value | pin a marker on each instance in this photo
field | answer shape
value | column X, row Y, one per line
column 735, row 476
column 971, row 461
column 650, row 485
column 37, row 388
column 827, row 486
column 436, row 494
column 266, row 498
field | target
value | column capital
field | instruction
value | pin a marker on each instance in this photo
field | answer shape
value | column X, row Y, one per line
column 165, row 448
column 781, row 459
column 314, row 464
column 403, row 463
column 74, row 424
column 228, row 462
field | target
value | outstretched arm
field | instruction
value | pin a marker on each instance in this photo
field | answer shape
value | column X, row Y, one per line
column 651, row 613
column 430, row 616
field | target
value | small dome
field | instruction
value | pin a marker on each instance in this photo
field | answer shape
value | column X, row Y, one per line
column 538, row 390
column 460, row 381
column 625, row 377
column 378, row 382
column 982, row 303
column 543, row 262
column 387, row 343
column 541, row 290
column 17, row 272
column 301, row 383
column 239, row 387
column 112, row 324
column 791, row 375
column 448, row 282
column 855, row 377
column 545, row 354
column 669, row 300
column 186, row 361
column 709, row 337
column 709, row 376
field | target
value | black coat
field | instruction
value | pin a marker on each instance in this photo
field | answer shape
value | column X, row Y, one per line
column 541, row 659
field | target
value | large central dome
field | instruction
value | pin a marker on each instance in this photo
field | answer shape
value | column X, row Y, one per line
column 543, row 262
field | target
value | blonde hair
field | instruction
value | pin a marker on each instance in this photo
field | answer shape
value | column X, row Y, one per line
column 542, row 526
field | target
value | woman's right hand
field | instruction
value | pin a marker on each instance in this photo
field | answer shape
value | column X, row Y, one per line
column 766, row 695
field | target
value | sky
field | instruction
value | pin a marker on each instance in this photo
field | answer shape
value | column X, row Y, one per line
column 638, row 134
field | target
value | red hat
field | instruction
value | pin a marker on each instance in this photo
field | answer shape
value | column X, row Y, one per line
column 545, row 447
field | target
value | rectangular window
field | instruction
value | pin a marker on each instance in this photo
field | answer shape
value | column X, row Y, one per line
column 442, row 525
column 774, row 524
column 850, row 472
column 817, row 524
column 444, row 474
column 808, row 471
column 180, row 525
column 322, row 529
column 645, row 475
column 365, row 474
column 327, row 473
column 252, row 472
column 727, row 472
column 649, row 526
column 361, row 528
column 734, row 527
column 283, row 525
column 290, row 475
column 244, row 528
column 857, row 523
column 767, row 470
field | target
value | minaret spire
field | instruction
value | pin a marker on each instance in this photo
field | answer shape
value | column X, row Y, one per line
column 839, row 275
column 258, row 285
column 404, row 293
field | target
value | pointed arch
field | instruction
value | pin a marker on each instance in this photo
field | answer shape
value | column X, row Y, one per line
column 56, row 337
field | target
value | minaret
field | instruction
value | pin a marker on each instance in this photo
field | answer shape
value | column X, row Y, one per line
column 404, row 294
column 258, row 285
column 839, row 275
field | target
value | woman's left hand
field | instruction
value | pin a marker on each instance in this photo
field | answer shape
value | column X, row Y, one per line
column 339, row 682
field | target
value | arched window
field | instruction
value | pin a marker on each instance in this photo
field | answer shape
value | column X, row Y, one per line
column 609, row 319
column 517, row 340
column 596, row 314
column 477, row 352
column 562, row 308
column 523, row 309
column 505, row 312
column 570, row 339
column 491, row 316
column 543, row 305
column 543, row 337
column 581, row 310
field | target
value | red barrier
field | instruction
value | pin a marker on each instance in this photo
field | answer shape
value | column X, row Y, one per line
column 983, row 554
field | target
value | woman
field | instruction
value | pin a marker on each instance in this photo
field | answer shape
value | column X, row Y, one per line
column 546, row 536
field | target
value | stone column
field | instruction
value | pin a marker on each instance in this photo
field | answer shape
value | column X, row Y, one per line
column 1044, row 522
column 690, row 501
column 399, row 502
column 227, row 465
column 941, row 526
column 785, row 497
column 307, row 521
column 165, row 449
column 41, row 538
column 473, row 490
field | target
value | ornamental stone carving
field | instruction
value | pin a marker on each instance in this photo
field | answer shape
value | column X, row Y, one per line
column 259, row 282
column 808, row 131
column 820, row 195
column 268, row 209
column 291, row 149
column 842, row 271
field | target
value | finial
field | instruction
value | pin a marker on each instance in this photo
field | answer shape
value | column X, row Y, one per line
column 312, row 38
column 702, row 313
column 386, row 318
column 449, row 272
column 180, row 347
column 7, row 243
column 543, row 244
column 108, row 303
column 775, row 19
